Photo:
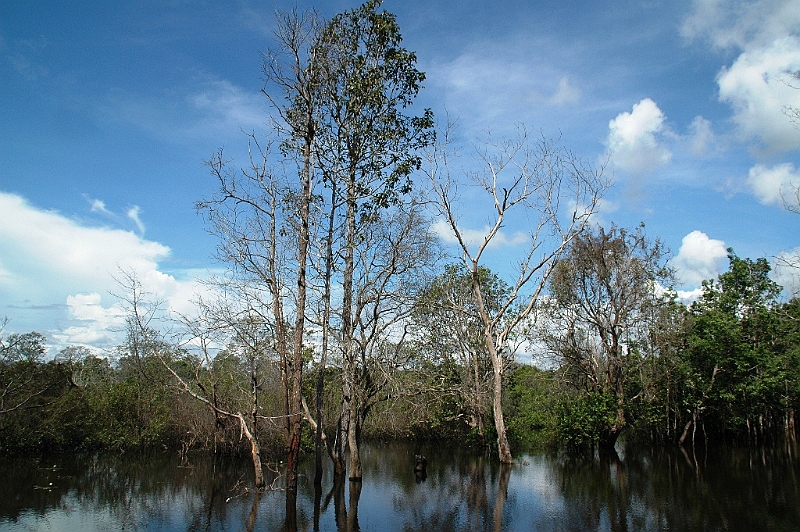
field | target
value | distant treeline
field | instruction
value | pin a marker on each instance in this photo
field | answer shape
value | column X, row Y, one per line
column 725, row 368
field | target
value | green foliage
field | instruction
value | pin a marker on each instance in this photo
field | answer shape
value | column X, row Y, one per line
column 583, row 418
column 738, row 366
column 529, row 406
column 369, row 79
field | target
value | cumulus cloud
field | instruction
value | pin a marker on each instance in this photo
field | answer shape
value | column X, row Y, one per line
column 688, row 297
column 634, row 139
column 767, row 35
column 773, row 185
column 57, row 274
column 95, row 324
column 700, row 258
column 49, row 241
column 757, row 88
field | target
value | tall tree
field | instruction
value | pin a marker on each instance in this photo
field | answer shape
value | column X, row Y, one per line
column 262, row 215
column 298, row 81
column 367, row 149
column 555, row 194
column 606, row 292
column 397, row 256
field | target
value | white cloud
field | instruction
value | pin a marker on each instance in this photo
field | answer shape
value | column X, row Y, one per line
column 741, row 23
column 701, row 136
column 767, row 35
column 96, row 325
column 133, row 214
column 99, row 206
column 53, row 271
column 566, row 93
column 633, row 139
column 474, row 237
column 756, row 87
column 688, row 297
column 774, row 184
column 700, row 258
column 47, row 241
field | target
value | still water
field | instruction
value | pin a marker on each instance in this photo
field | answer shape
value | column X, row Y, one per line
column 662, row 489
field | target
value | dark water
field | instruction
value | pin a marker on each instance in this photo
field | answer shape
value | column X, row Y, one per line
column 664, row 489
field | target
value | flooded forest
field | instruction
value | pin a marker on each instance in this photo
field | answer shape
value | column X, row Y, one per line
column 355, row 368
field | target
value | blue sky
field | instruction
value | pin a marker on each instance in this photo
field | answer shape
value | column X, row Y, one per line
column 108, row 111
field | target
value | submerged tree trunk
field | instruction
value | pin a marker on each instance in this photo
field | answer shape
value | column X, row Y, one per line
column 255, row 453
column 354, row 440
column 496, row 355
column 503, row 447
column 608, row 437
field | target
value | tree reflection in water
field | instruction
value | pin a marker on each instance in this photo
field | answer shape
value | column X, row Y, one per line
column 663, row 489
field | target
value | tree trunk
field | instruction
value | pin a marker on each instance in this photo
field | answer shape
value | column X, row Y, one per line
column 340, row 443
column 326, row 319
column 476, row 399
column 496, row 355
column 354, row 439
column 255, row 453
column 608, row 438
column 348, row 362
column 503, row 447
column 691, row 424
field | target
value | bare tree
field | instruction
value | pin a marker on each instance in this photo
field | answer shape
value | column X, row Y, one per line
column 449, row 328
column 554, row 193
column 145, row 333
column 398, row 255
column 249, row 214
column 262, row 214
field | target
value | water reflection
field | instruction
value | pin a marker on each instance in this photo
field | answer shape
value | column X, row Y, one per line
column 663, row 489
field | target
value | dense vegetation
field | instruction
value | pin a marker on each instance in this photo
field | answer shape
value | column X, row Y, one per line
column 725, row 368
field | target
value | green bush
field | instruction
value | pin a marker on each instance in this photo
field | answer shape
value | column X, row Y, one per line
column 583, row 418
